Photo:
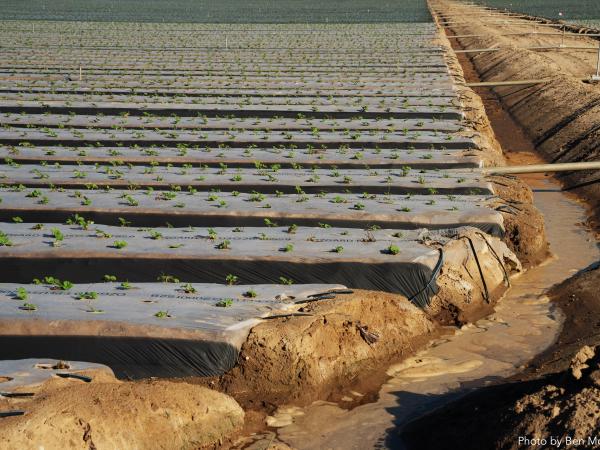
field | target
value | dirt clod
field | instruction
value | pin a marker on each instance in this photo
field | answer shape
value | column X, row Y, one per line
column 113, row 414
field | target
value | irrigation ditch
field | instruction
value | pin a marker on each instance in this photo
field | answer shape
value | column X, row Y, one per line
column 282, row 239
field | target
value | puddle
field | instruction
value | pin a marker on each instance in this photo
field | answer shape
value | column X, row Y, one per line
column 524, row 324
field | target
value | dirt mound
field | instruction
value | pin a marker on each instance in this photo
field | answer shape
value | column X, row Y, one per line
column 107, row 413
column 578, row 299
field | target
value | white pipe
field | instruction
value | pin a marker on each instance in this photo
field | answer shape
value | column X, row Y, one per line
column 542, row 168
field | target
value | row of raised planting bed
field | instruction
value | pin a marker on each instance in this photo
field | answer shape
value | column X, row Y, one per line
column 284, row 156
column 278, row 156
column 150, row 208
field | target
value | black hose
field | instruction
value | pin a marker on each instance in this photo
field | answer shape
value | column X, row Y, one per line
column 486, row 294
column 436, row 270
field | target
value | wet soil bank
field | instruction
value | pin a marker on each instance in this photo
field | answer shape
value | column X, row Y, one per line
column 556, row 394
column 348, row 342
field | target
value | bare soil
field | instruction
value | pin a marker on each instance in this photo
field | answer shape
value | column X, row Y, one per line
column 322, row 355
column 560, row 406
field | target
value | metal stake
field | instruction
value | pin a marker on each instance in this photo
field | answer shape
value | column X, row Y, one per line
column 596, row 77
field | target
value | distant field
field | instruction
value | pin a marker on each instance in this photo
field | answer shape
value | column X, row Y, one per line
column 572, row 10
column 222, row 11
column 592, row 23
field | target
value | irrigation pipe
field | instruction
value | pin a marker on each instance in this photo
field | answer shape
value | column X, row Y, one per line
column 496, row 49
column 524, row 33
column 541, row 168
column 507, row 83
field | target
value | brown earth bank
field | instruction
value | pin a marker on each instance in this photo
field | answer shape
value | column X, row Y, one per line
column 111, row 414
column 524, row 224
column 560, row 117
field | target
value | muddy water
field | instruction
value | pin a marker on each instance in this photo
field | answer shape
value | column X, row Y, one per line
column 523, row 325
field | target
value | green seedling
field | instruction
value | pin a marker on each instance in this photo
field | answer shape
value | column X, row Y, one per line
column 250, row 293
column 58, row 235
column 109, row 278
column 224, row 245
column 4, row 240
column 64, row 285
column 119, row 244
column 163, row 278
column 393, row 250
column 162, row 315
column 188, row 288
column 212, row 234
column 270, row 223
column 81, row 221
column 21, row 293
column 287, row 248
column 225, row 303
column 90, row 295
column 286, row 281
column 231, row 279
column 125, row 285
column 155, row 235
column 338, row 249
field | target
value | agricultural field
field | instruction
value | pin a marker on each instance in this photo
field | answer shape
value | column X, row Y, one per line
column 581, row 11
column 226, row 11
column 168, row 189
column 244, row 156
